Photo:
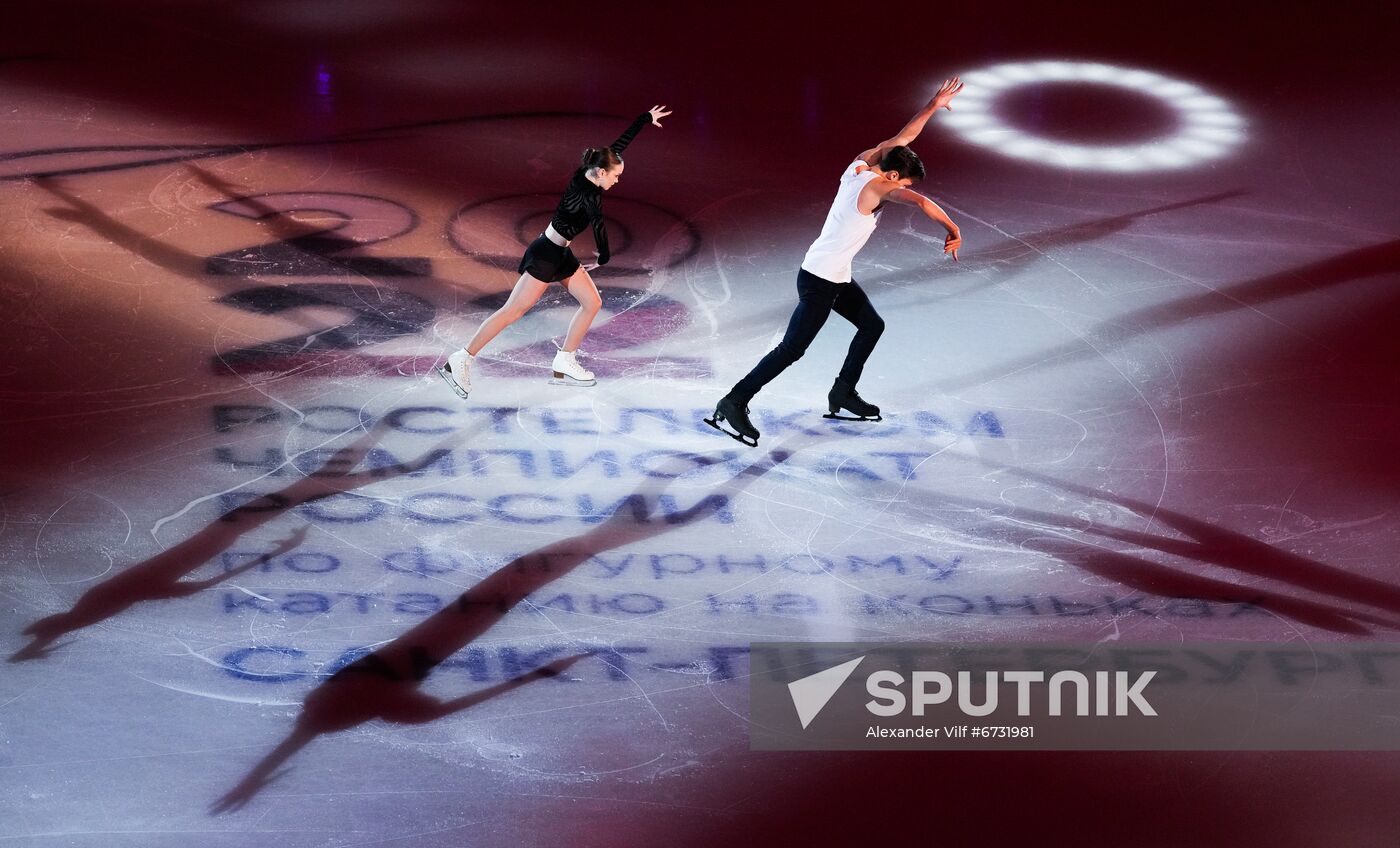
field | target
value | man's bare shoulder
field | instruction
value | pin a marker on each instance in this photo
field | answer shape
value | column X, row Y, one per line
column 874, row 193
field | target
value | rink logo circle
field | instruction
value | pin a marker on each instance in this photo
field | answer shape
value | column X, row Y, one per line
column 1207, row 127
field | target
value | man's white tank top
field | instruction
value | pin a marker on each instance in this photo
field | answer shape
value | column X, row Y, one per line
column 846, row 230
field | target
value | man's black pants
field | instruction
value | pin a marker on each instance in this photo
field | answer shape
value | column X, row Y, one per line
column 817, row 299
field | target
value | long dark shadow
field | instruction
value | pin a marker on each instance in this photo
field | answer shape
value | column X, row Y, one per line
column 160, row 577
column 179, row 262
column 1144, row 575
column 1229, row 549
column 384, row 310
column 323, row 253
column 384, row 684
column 1056, row 534
column 1017, row 252
column 333, row 254
column 1109, row 335
column 315, row 248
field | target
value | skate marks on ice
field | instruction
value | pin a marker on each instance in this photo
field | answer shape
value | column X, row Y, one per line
column 1107, row 336
column 1063, row 537
column 384, row 684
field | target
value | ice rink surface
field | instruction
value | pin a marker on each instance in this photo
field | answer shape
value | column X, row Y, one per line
column 1156, row 400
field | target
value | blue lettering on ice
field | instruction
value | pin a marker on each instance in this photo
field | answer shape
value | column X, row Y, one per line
column 282, row 664
column 236, row 664
column 451, row 508
column 441, row 420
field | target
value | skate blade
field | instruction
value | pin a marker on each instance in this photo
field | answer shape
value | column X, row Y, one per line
column 447, row 378
column 836, row 417
column 565, row 380
column 714, row 422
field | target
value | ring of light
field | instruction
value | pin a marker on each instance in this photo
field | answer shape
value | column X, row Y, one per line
column 1209, row 128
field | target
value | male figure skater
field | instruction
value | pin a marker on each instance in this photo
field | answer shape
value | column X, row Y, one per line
column 824, row 284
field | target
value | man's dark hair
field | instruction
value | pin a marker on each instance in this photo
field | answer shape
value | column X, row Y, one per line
column 903, row 161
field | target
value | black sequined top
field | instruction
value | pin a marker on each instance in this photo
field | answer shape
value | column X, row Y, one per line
column 582, row 203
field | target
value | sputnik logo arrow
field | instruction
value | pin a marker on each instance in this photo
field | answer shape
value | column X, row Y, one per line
column 811, row 694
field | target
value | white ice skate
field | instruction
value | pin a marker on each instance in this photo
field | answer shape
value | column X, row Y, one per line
column 458, row 372
column 567, row 371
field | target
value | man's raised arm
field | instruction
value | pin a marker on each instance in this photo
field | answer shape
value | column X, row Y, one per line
column 942, row 99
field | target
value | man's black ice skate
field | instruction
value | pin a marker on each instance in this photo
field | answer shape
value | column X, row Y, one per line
column 736, row 415
column 844, row 397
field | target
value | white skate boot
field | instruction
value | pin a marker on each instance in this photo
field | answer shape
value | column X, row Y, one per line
column 567, row 371
column 458, row 372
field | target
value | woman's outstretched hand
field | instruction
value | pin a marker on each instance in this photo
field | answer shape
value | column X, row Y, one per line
column 657, row 113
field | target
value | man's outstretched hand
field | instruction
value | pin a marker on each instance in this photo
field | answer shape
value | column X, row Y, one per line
column 952, row 243
column 946, row 93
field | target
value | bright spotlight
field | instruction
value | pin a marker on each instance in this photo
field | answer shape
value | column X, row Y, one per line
column 1208, row 127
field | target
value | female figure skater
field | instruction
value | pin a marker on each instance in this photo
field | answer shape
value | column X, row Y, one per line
column 548, row 259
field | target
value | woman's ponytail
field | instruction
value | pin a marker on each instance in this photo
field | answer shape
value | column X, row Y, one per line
column 602, row 158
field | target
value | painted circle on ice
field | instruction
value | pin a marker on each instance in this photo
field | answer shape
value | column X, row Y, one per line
column 1207, row 126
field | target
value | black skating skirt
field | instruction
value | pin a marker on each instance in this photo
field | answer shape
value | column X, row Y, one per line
column 548, row 262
